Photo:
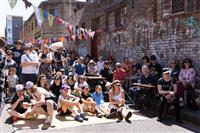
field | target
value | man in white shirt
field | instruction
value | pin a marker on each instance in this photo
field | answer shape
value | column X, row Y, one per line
column 100, row 64
column 29, row 63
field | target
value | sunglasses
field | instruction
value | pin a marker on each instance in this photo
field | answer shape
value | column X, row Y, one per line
column 9, row 54
column 186, row 62
column 173, row 63
column 117, row 85
column 82, row 79
column 57, row 79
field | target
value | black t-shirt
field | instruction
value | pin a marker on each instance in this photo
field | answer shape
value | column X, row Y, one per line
column 107, row 73
column 17, row 55
column 157, row 67
column 55, row 89
column 166, row 85
column 85, row 97
column 19, row 108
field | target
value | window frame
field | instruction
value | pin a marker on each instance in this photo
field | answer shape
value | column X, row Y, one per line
column 185, row 8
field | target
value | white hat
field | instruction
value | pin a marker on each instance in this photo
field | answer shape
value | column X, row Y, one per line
column 108, row 84
column 166, row 71
column 29, row 85
column 19, row 87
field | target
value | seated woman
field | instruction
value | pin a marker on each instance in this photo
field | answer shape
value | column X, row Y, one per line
column 99, row 100
column 117, row 101
column 42, row 82
column 187, row 77
column 167, row 88
column 19, row 104
column 88, row 103
column 81, row 81
column 66, row 102
column 92, row 67
column 56, row 86
column 70, row 81
column 43, row 104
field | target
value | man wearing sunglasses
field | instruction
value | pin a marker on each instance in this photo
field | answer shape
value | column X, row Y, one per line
column 29, row 63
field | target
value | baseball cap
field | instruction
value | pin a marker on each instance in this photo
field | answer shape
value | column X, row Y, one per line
column 106, row 63
column 29, row 85
column 65, row 87
column 118, row 64
column 19, row 87
column 166, row 71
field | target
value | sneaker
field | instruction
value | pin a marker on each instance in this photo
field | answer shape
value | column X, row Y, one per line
column 99, row 115
column 119, row 116
column 128, row 116
column 78, row 118
column 84, row 116
column 112, row 115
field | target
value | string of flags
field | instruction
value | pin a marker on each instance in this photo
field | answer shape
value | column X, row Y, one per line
column 75, row 32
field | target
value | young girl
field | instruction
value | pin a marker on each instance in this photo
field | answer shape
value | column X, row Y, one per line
column 70, row 80
column 69, row 102
column 88, row 103
column 99, row 99
column 12, row 81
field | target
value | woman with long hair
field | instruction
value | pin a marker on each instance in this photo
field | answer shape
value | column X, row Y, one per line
column 42, row 82
column 186, row 82
column 117, row 101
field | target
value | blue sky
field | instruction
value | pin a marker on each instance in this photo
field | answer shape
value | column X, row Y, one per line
column 18, row 10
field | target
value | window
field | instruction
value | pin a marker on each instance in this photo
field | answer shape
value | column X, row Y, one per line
column 177, row 6
column 83, row 25
column 118, row 18
column 95, row 23
column 133, row 3
column 35, row 22
column 197, row 4
column 32, row 25
column 190, row 5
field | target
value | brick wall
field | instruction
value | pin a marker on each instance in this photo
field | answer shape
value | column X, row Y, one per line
column 174, row 37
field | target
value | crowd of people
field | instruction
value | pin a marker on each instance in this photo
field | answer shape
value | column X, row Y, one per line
column 40, row 80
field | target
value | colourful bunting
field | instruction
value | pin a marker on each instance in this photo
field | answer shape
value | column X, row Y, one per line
column 58, row 20
column 50, row 19
column 92, row 34
column 12, row 3
column 73, row 37
column 39, row 18
column 27, row 4
column 45, row 14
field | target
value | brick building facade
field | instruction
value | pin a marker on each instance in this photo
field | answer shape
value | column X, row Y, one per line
column 169, row 29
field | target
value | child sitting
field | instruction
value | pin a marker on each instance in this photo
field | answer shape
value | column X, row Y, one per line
column 99, row 99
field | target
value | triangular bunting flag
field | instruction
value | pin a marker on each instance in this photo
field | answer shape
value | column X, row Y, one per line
column 27, row 4
column 12, row 3
column 45, row 14
column 41, row 13
column 58, row 20
column 73, row 37
column 50, row 19
column 39, row 18
column 92, row 34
